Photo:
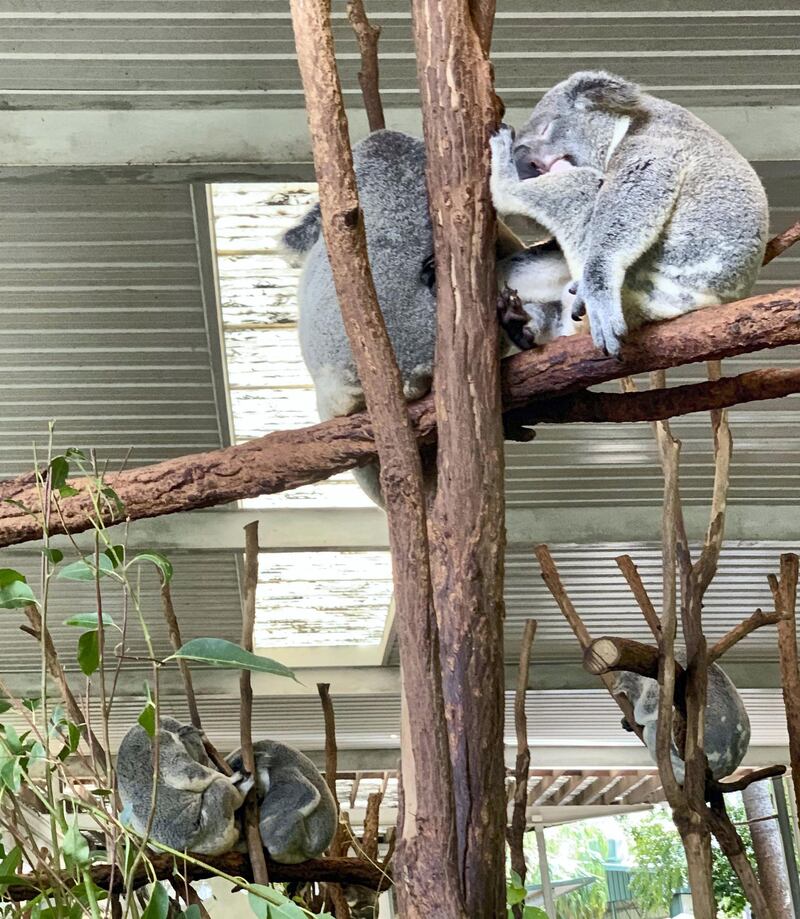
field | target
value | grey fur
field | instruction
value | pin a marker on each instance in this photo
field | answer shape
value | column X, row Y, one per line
column 727, row 727
column 659, row 217
column 298, row 815
column 390, row 172
column 195, row 804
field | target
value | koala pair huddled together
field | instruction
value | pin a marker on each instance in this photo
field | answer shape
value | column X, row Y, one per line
column 652, row 212
column 196, row 805
column 727, row 727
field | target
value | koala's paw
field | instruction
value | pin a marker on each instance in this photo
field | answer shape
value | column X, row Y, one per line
column 514, row 319
column 243, row 782
column 427, row 273
column 502, row 144
column 606, row 320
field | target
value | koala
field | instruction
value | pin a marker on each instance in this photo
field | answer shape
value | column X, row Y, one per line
column 656, row 213
column 298, row 815
column 727, row 727
column 195, row 804
column 390, row 172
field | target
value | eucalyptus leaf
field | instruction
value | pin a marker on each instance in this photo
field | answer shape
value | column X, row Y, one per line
column 191, row 912
column 53, row 555
column 59, row 470
column 113, row 498
column 89, row 620
column 74, row 847
column 116, row 555
column 32, row 703
column 221, row 653
column 10, row 866
column 147, row 718
column 14, row 591
column 84, row 569
column 161, row 562
column 158, row 907
column 89, row 652
column 67, row 491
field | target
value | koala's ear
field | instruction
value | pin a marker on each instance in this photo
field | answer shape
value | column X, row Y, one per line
column 595, row 90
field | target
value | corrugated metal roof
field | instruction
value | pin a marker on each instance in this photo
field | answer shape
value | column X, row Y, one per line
column 178, row 53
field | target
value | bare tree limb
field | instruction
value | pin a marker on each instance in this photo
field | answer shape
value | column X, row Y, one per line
column 632, row 576
column 288, row 459
column 740, row 631
column 780, row 243
column 757, row 775
column 252, row 832
column 515, row 833
column 368, row 36
column 610, row 654
column 784, row 592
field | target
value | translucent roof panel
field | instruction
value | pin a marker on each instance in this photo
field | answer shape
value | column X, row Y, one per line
column 322, row 598
column 270, row 388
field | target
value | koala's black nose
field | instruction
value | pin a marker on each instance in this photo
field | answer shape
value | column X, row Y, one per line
column 526, row 168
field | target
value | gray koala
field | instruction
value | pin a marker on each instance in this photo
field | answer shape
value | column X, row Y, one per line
column 727, row 727
column 195, row 803
column 390, row 172
column 656, row 213
column 298, row 815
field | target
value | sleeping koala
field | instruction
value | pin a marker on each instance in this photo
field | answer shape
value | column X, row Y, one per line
column 727, row 727
column 298, row 816
column 195, row 804
column 390, row 172
column 656, row 213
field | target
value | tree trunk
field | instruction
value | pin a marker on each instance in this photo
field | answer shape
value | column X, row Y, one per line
column 696, row 838
column 467, row 523
column 768, row 848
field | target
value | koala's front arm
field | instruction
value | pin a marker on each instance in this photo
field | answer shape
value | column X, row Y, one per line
column 561, row 203
column 630, row 215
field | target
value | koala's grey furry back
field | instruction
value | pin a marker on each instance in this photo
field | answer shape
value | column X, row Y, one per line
column 727, row 727
column 196, row 804
column 657, row 213
column 297, row 813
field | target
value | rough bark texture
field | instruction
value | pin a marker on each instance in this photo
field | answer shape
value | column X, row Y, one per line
column 288, row 459
column 768, row 848
column 515, row 833
column 467, row 522
column 785, row 594
column 367, row 36
column 427, row 873
column 339, row 870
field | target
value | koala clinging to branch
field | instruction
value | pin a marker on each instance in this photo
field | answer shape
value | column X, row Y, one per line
column 298, row 815
column 657, row 214
column 727, row 727
column 390, row 172
column 195, row 803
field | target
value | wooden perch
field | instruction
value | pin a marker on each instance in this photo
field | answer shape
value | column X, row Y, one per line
column 367, row 36
column 250, row 811
column 610, row 654
column 288, row 459
column 165, row 866
column 740, row 631
column 631, row 573
column 781, row 242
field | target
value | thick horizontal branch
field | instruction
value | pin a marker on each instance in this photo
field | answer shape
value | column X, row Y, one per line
column 757, row 775
column 339, row 870
column 611, row 654
column 288, row 459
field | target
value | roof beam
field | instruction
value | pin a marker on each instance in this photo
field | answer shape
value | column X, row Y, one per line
column 215, row 144
column 346, row 529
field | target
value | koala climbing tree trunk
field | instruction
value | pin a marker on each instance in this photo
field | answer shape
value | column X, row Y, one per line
column 467, row 521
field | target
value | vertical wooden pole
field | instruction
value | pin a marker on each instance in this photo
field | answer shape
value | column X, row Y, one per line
column 426, row 870
column 544, row 870
column 467, row 525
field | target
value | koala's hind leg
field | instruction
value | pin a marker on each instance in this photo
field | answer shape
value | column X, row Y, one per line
column 218, row 830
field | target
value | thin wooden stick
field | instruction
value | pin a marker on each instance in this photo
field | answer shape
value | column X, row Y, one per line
column 785, row 596
column 369, row 841
column 740, row 631
column 368, row 36
column 252, row 834
column 186, row 675
column 515, row 833
column 639, row 591
column 781, row 242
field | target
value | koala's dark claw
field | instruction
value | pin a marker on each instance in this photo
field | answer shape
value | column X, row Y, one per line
column 514, row 319
column 427, row 273
column 578, row 307
column 507, row 127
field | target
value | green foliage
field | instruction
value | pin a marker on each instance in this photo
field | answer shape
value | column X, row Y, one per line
column 161, row 562
column 221, row 653
column 89, row 652
column 147, row 717
column 86, row 568
column 191, row 912
column 158, row 906
column 661, row 865
column 14, row 590
column 89, row 621
column 74, row 847
column 274, row 905
column 54, row 556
